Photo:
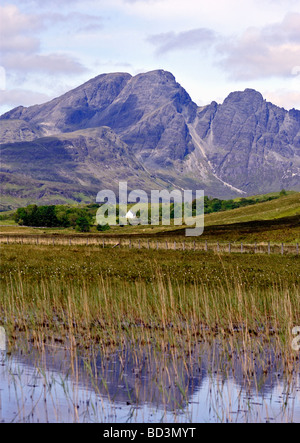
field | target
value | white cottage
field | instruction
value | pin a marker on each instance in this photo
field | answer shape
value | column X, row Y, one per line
column 130, row 215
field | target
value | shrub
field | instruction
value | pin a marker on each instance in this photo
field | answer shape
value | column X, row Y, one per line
column 103, row 228
column 83, row 224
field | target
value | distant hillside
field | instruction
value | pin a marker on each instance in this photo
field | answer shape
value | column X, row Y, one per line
column 288, row 206
column 276, row 221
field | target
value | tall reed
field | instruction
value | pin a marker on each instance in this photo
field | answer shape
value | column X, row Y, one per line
column 110, row 310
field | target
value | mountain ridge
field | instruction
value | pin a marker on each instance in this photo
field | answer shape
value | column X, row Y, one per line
column 243, row 146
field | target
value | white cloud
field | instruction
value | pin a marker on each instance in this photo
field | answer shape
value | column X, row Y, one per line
column 16, row 30
column 287, row 31
column 171, row 41
column 17, row 97
column 20, row 46
column 13, row 20
column 271, row 51
column 284, row 98
column 222, row 16
column 19, row 43
column 75, row 21
column 50, row 63
column 46, row 4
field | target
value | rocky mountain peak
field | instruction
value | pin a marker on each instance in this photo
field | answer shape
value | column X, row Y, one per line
column 248, row 100
column 147, row 128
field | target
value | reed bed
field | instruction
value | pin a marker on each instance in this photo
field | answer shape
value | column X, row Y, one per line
column 84, row 297
column 110, row 305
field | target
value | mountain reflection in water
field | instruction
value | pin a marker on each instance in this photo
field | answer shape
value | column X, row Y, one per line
column 145, row 385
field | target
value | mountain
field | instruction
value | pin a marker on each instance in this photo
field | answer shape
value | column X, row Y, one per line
column 146, row 130
column 252, row 144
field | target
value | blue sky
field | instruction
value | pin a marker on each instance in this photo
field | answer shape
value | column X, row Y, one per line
column 212, row 47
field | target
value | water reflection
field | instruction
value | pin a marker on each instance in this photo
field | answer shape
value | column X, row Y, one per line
column 144, row 385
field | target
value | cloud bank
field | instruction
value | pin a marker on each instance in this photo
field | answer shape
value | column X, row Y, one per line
column 171, row 41
column 270, row 51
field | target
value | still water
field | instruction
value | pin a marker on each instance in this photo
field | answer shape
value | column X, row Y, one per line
column 136, row 385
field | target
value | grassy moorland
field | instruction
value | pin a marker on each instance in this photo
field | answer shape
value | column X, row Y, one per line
column 276, row 221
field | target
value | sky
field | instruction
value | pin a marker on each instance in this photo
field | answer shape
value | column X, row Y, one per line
column 212, row 47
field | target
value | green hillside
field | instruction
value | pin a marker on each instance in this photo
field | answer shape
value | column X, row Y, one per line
column 287, row 206
column 275, row 221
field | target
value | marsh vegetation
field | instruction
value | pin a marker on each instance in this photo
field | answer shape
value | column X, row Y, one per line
column 132, row 333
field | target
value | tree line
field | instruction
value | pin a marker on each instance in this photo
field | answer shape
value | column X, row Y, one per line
column 58, row 216
column 83, row 218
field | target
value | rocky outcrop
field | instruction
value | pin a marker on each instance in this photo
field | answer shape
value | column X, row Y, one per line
column 252, row 144
column 18, row 131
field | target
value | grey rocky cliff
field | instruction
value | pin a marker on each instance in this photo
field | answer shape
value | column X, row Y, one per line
column 251, row 143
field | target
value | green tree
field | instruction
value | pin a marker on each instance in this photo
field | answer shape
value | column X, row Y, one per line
column 216, row 205
column 283, row 193
column 83, row 224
